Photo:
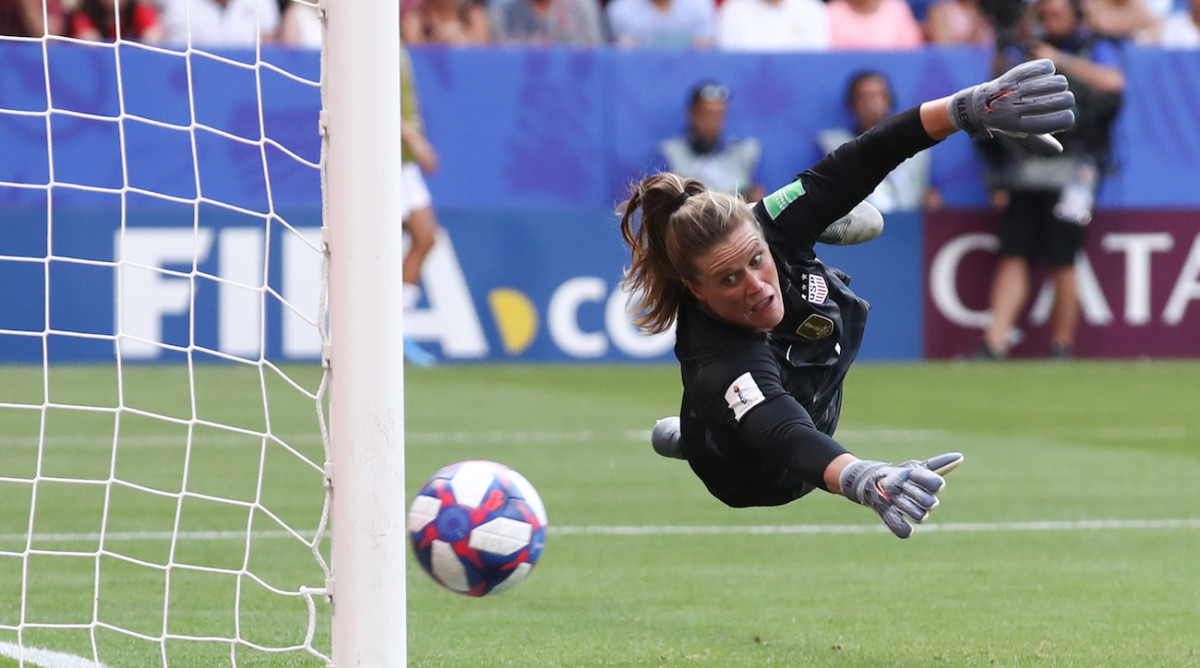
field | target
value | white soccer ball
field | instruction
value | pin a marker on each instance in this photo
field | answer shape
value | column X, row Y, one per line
column 477, row 527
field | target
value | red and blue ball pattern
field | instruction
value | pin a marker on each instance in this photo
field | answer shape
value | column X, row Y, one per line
column 477, row 527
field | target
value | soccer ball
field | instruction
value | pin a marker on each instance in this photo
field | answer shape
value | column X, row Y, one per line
column 477, row 527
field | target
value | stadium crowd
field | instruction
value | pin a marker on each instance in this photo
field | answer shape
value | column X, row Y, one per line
column 731, row 25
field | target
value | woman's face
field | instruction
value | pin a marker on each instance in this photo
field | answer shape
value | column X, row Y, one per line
column 871, row 102
column 738, row 281
column 708, row 119
column 1057, row 18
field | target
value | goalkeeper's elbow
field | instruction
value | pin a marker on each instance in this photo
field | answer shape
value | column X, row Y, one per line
column 862, row 224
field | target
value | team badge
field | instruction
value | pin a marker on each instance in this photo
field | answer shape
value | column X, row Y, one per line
column 815, row 327
column 815, row 289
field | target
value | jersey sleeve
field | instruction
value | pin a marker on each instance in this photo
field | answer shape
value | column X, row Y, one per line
column 746, row 396
column 828, row 190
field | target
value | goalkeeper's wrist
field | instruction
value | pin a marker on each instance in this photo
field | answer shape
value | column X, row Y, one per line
column 962, row 115
column 854, row 478
column 833, row 472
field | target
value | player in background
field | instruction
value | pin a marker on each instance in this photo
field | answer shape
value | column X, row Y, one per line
column 417, row 156
column 765, row 332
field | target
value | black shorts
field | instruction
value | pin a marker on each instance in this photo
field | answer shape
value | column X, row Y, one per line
column 1029, row 229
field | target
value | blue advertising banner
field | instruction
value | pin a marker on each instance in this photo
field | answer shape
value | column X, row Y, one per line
column 81, row 287
column 536, row 285
column 545, row 285
column 199, row 172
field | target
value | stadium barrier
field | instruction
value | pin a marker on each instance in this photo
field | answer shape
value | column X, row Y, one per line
column 537, row 147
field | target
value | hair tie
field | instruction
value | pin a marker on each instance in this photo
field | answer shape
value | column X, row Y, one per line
column 680, row 199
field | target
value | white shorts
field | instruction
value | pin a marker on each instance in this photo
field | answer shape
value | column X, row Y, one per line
column 414, row 194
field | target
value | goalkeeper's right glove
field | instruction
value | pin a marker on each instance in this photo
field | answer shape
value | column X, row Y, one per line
column 1026, row 104
column 898, row 490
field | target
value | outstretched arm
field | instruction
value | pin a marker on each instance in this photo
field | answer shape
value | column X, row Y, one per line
column 1027, row 103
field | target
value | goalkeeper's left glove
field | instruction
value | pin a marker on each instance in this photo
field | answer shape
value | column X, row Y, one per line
column 898, row 490
column 1026, row 104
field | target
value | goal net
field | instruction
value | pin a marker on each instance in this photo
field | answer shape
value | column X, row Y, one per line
column 169, row 384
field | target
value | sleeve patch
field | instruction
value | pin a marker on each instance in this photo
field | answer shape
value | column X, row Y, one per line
column 777, row 201
column 743, row 395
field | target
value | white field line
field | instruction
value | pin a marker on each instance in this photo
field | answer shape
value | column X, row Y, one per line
column 952, row 527
column 45, row 658
column 887, row 435
column 678, row 530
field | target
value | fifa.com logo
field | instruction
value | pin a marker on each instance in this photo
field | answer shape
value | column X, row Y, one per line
column 154, row 287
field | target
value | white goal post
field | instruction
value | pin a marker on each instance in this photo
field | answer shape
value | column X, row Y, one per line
column 201, row 361
column 362, row 129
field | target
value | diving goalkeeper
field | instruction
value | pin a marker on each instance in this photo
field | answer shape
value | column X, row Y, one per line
column 765, row 332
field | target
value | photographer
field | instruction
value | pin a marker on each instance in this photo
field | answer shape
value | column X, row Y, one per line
column 1048, row 202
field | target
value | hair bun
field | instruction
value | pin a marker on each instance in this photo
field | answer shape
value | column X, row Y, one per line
column 680, row 199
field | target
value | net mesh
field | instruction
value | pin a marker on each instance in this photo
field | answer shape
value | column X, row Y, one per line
column 162, row 403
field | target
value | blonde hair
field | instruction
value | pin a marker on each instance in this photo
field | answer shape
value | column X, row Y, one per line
column 680, row 220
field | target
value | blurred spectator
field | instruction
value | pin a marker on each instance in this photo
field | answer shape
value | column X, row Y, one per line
column 662, row 23
column 417, row 158
column 957, row 22
column 1125, row 19
column 30, row 18
column 573, row 22
column 446, row 22
column 873, row 24
column 723, row 163
column 773, row 25
column 220, row 23
column 1180, row 29
column 870, row 99
column 1048, row 202
column 300, row 25
column 97, row 20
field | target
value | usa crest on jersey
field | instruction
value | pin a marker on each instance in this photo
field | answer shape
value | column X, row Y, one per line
column 814, row 288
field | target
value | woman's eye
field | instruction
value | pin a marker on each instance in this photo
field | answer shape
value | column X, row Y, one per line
column 756, row 260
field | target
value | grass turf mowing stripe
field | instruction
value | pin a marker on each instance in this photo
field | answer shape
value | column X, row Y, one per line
column 685, row 530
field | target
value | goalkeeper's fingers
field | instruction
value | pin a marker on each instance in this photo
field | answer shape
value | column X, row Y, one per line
column 895, row 522
column 1042, row 144
column 1024, row 71
column 922, row 494
column 943, row 463
column 910, row 507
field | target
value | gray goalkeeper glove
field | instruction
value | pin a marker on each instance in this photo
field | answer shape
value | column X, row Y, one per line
column 898, row 490
column 1026, row 104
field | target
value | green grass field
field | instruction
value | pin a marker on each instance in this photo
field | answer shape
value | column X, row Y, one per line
column 1067, row 538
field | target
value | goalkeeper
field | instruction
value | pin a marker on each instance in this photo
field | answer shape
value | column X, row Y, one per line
column 765, row 332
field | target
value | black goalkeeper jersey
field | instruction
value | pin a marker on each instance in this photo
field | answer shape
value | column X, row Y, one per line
column 759, row 409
